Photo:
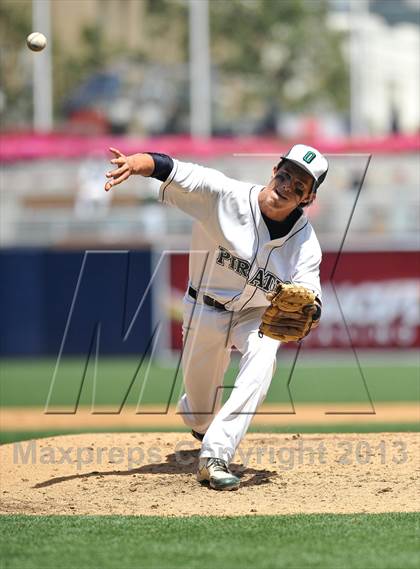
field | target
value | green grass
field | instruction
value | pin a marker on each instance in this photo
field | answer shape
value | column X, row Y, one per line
column 27, row 382
column 317, row 541
column 15, row 436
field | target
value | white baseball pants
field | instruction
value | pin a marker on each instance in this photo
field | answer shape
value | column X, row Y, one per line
column 209, row 335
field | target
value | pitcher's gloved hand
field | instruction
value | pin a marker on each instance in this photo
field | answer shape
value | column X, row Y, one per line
column 293, row 311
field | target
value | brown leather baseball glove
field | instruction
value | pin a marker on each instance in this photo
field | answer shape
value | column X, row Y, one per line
column 292, row 313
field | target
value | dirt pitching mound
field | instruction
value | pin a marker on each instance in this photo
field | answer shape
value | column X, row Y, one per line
column 154, row 474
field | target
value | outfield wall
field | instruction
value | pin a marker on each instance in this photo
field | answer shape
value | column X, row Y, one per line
column 101, row 300
column 370, row 300
column 87, row 298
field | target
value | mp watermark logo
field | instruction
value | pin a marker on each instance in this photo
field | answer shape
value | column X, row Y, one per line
column 94, row 327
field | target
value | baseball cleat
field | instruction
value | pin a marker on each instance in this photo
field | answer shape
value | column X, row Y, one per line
column 198, row 436
column 216, row 472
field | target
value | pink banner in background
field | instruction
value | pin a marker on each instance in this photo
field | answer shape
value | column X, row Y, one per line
column 25, row 146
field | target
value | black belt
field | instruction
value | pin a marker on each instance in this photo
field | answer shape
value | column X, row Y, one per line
column 208, row 300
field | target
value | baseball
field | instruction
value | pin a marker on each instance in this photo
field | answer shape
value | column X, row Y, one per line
column 36, row 41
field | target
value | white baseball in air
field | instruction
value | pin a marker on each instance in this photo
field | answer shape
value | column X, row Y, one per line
column 36, row 41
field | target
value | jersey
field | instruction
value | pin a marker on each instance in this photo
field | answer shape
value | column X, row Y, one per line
column 233, row 258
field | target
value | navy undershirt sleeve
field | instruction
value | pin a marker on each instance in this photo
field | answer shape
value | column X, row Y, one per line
column 163, row 165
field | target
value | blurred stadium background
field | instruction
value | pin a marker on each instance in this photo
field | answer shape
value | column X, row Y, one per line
column 228, row 84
